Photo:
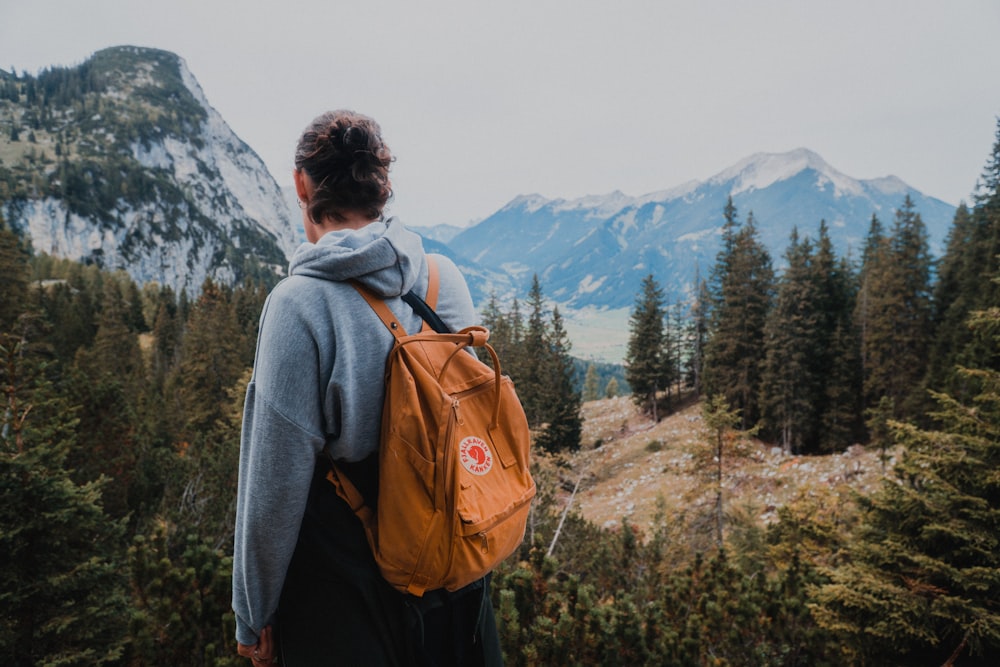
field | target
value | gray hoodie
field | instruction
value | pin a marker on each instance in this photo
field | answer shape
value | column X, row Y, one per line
column 318, row 383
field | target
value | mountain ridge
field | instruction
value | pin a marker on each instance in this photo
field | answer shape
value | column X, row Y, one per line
column 595, row 250
column 125, row 164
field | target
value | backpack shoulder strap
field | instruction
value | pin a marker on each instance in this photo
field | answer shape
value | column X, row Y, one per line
column 433, row 282
column 383, row 311
column 423, row 308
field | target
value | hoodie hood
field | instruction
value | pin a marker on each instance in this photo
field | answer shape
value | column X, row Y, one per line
column 385, row 257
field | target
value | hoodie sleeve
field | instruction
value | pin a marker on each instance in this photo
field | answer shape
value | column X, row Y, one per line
column 281, row 437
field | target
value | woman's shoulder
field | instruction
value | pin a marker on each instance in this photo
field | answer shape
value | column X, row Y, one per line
column 300, row 294
column 454, row 303
column 447, row 268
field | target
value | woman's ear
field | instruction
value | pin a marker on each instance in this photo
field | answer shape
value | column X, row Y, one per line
column 303, row 185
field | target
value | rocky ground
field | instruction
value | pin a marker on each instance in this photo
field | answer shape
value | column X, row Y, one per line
column 627, row 462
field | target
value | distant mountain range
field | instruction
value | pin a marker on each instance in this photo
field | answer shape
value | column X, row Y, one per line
column 122, row 162
column 596, row 250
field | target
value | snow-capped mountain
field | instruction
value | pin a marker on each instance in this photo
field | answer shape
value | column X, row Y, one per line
column 595, row 251
column 128, row 166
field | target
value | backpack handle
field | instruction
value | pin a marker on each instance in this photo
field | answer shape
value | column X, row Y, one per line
column 473, row 336
column 477, row 336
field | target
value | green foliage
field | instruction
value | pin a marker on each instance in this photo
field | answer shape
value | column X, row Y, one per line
column 790, row 390
column 893, row 313
column 601, row 374
column 923, row 579
column 13, row 277
column 811, row 376
column 182, row 589
column 712, row 611
column 533, row 377
column 62, row 591
column 698, row 336
column 647, row 368
column 725, row 441
column 564, row 422
column 972, row 257
column 591, row 388
column 536, row 355
column 213, row 355
column 611, row 390
column 93, row 461
column 741, row 293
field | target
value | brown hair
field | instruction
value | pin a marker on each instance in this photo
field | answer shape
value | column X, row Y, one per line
column 343, row 154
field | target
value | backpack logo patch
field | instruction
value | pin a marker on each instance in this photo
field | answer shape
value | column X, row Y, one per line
column 475, row 455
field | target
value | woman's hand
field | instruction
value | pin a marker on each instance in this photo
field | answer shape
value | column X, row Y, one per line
column 264, row 652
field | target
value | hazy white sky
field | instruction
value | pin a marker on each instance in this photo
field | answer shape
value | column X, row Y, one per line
column 483, row 101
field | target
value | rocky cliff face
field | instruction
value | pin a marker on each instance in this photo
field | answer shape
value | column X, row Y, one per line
column 122, row 162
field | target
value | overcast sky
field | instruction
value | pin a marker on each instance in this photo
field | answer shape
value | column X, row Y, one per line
column 483, row 101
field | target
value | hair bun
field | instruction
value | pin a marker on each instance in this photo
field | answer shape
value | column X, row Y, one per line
column 350, row 136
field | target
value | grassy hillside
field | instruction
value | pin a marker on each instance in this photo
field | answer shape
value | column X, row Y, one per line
column 627, row 462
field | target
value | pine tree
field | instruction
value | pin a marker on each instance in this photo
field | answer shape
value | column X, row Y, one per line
column 742, row 289
column 812, row 373
column 698, row 336
column 537, row 357
column 676, row 349
column 167, row 331
column 842, row 422
column 923, row 580
column 62, row 582
column 502, row 335
column 964, row 285
column 248, row 302
column 134, row 318
column 837, row 362
column 790, row 389
column 896, row 316
column 988, row 188
column 591, row 389
column 109, row 377
column 645, row 367
column 611, row 389
column 531, row 379
column 13, row 277
column 724, row 443
column 957, row 292
column 562, row 413
column 182, row 590
column 211, row 361
column 73, row 311
column 874, row 257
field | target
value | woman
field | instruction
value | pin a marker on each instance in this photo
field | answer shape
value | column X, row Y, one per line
column 306, row 590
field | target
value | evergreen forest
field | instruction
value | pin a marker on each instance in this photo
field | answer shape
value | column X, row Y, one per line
column 119, row 441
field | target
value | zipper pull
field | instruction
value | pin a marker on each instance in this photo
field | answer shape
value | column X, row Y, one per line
column 458, row 417
column 486, row 543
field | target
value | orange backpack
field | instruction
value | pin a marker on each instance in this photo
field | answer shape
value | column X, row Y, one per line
column 454, row 485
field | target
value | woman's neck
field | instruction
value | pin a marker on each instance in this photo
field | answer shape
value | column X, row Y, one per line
column 349, row 221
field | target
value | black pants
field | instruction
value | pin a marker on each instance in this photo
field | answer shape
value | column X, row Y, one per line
column 336, row 609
